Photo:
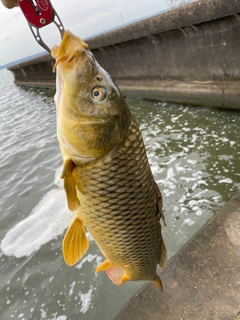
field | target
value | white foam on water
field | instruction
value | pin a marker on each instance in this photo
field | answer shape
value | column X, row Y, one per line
column 53, row 316
column 226, row 180
column 86, row 299
column 89, row 258
column 56, row 317
column 71, row 288
column 48, row 220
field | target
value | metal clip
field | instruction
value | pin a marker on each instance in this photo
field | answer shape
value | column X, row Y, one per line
column 40, row 13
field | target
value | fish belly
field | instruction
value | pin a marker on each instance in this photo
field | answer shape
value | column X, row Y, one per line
column 119, row 207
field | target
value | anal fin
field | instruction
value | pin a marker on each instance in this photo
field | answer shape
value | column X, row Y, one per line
column 70, row 185
column 116, row 275
column 75, row 243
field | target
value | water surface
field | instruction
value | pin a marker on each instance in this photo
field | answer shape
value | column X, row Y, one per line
column 194, row 155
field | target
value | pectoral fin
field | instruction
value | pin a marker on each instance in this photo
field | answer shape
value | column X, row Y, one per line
column 70, row 185
column 75, row 243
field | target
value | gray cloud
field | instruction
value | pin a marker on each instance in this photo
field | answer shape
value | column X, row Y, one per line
column 83, row 17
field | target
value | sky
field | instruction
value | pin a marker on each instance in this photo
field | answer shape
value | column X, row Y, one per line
column 83, row 18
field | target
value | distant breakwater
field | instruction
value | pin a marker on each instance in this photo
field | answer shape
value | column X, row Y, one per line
column 188, row 55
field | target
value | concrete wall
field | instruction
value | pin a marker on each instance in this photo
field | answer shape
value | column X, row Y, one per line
column 186, row 55
column 35, row 72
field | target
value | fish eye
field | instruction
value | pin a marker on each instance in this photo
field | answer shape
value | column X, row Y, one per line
column 99, row 94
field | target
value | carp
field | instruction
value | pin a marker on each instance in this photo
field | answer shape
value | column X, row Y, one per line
column 107, row 178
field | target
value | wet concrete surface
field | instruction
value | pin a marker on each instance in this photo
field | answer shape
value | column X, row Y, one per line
column 202, row 281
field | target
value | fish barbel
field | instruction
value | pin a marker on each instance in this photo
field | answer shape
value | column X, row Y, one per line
column 107, row 178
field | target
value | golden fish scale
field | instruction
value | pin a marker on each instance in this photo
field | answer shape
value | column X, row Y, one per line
column 118, row 199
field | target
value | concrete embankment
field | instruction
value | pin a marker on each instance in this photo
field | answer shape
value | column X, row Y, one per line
column 202, row 281
column 187, row 55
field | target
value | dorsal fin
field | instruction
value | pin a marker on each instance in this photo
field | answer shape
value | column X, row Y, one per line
column 159, row 205
column 163, row 257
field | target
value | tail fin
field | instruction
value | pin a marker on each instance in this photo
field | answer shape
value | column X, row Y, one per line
column 158, row 283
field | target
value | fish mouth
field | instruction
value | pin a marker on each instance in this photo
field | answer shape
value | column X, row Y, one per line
column 71, row 47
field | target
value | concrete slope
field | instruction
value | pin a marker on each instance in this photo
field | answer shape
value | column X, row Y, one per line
column 202, row 281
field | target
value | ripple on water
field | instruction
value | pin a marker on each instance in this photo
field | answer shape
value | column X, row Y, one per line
column 193, row 153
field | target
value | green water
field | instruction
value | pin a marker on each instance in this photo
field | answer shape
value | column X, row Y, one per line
column 194, row 155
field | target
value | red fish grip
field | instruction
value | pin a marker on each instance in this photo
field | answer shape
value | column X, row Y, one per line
column 40, row 13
